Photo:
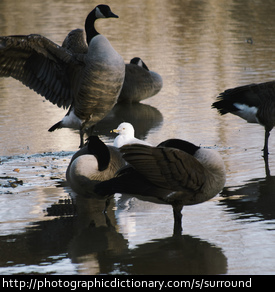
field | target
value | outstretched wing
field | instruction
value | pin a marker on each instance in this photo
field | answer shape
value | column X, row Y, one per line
column 42, row 65
column 166, row 167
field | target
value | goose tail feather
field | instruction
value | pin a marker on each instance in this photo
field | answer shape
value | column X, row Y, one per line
column 55, row 126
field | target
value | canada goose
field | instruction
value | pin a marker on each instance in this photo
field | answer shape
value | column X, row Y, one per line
column 139, row 83
column 126, row 135
column 255, row 103
column 176, row 172
column 89, row 83
column 93, row 163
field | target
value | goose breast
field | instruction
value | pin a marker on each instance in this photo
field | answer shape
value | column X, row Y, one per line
column 103, row 77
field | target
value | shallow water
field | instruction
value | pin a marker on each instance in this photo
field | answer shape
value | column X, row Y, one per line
column 200, row 48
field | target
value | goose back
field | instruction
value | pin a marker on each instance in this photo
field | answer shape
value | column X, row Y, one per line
column 189, row 179
column 139, row 84
column 168, row 175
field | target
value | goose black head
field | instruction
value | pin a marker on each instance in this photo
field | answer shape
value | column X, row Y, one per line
column 181, row 145
column 137, row 61
column 100, row 11
column 104, row 11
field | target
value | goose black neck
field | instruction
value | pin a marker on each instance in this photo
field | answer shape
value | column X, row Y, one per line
column 97, row 148
column 90, row 26
column 181, row 145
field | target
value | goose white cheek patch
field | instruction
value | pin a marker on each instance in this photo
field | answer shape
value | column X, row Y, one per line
column 98, row 13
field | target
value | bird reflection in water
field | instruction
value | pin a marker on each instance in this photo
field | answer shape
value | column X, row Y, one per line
column 79, row 231
column 256, row 198
column 98, row 247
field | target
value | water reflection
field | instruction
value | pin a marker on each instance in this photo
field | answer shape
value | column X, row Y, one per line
column 142, row 116
column 91, row 240
column 254, row 199
column 78, row 228
column 180, row 255
column 96, row 241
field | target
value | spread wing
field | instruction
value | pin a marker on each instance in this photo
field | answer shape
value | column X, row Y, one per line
column 166, row 167
column 42, row 65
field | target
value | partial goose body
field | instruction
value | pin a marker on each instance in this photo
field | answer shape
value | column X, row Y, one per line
column 126, row 135
column 254, row 103
column 75, row 42
column 139, row 83
column 93, row 163
column 88, row 82
column 176, row 172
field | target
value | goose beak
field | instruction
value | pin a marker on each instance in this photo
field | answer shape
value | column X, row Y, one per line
column 111, row 14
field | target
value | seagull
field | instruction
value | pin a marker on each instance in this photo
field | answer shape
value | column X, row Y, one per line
column 126, row 135
column 176, row 172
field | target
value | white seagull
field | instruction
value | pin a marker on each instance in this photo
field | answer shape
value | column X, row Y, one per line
column 126, row 135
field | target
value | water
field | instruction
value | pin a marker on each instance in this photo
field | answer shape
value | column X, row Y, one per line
column 200, row 48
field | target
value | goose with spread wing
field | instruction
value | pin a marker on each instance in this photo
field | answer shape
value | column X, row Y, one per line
column 176, row 172
column 89, row 83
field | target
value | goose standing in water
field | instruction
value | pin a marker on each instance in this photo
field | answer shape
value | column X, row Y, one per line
column 89, row 83
column 139, row 83
column 255, row 103
column 91, row 164
column 126, row 135
column 176, row 172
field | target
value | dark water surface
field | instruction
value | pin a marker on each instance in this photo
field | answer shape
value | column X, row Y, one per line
column 200, row 48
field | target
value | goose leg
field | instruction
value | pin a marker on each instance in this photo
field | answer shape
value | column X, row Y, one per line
column 267, row 171
column 81, row 133
column 177, row 219
column 265, row 150
column 109, row 223
column 107, row 203
column 107, row 220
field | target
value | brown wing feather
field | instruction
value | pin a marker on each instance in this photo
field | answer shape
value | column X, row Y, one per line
column 75, row 42
column 168, row 168
column 41, row 65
